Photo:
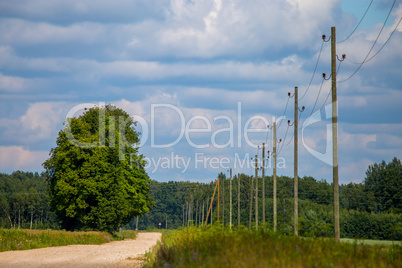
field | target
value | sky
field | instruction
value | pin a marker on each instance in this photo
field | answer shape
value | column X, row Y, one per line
column 206, row 80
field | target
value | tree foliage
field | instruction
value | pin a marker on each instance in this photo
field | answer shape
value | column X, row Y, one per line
column 385, row 182
column 23, row 201
column 100, row 184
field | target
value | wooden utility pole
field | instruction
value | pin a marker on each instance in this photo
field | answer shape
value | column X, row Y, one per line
column 223, row 202
column 335, row 135
column 251, row 202
column 274, row 175
column 230, row 206
column 212, row 200
column 212, row 213
column 295, row 189
column 263, row 183
column 218, row 200
column 256, row 192
column 238, row 200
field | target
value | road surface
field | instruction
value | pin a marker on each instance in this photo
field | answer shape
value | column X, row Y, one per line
column 127, row 253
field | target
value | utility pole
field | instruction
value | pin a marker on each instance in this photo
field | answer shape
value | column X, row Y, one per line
column 218, row 199
column 263, row 183
column 274, row 179
column 295, row 189
column 212, row 212
column 251, row 202
column 256, row 192
column 223, row 202
column 238, row 200
column 230, row 206
column 335, row 135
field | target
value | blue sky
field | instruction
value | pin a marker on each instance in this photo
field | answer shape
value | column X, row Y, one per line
column 198, row 75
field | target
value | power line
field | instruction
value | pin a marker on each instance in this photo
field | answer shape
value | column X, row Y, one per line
column 315, row 68
column 396, row 27
column 375, row 42
column 284, row 112
column 357, row 26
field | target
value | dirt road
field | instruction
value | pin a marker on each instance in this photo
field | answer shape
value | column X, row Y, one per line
column 127, row 253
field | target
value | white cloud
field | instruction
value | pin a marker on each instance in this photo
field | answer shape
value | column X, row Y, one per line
column 40, row 123
column 18, row 158
column 12, row 84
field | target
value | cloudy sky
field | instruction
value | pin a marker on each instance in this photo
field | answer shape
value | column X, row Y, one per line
column 204, row 79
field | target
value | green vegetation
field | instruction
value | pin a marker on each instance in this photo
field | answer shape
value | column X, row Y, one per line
column 24, row 204
column 218, row 247
column 20, row 239
column 371, row 242
column 92, row 181
column 362, row 214
column 17, row 239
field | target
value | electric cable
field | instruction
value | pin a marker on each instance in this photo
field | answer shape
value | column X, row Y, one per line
column 357, row 26
column 375, row 42
column 315, row 68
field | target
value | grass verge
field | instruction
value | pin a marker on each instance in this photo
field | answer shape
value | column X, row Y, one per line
column 217, row 247
column 20, row 239
column 371, row 242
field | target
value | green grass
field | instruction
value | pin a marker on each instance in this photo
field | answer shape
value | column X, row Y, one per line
column 217, row 247
column 19, row 239
column 127, row 234
column 369, row 242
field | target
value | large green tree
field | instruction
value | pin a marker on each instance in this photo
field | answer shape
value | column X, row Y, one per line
column 384, row 180
column 96, row 177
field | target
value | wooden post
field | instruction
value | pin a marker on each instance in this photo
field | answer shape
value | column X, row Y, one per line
column 223, row 202
column 263, row 183
column 210, row 206
column 238, row 200
column 230, row 206
column 218, row 199
column 274, row 179
column 295, row 186
column 335, row 135
column 251, row 202
column 256, row 192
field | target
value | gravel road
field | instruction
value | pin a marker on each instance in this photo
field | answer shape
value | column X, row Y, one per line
column 127, row 253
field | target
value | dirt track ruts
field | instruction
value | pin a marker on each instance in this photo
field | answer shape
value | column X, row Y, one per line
column 127, row 253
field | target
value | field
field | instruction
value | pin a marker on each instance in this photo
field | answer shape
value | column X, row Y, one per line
column 20, row 239
column 217, row 247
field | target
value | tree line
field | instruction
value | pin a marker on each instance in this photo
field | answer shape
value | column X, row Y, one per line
column 371, row 209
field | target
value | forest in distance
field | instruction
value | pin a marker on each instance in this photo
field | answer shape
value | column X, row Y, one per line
column 369, row 210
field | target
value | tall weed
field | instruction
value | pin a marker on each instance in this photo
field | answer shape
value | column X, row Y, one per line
column 220, row 247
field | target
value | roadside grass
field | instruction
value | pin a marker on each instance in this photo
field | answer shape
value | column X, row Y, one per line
column 21, row 239
column 127, row 234
column 369, row 242
column 218, row 247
